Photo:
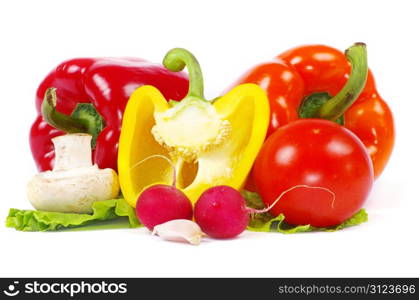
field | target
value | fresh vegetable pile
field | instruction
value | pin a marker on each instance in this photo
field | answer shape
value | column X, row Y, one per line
column 305, row 134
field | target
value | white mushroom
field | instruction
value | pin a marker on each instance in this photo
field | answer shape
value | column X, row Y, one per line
column 74, row 183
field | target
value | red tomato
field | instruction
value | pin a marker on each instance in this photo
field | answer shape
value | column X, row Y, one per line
column 317, row 153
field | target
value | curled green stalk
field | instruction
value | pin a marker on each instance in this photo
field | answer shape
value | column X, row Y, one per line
column 176, row 60
column 324, row 106
column 336, row 106
column 56, row 119
column 84, row 118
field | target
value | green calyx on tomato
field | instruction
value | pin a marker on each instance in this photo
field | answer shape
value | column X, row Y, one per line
column 324, row 106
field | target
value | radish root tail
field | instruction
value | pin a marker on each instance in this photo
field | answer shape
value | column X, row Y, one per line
column 253, row 211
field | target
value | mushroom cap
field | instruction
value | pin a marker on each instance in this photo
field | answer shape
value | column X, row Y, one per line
column 73, row 190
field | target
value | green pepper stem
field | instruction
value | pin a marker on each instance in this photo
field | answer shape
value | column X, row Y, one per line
column 336, row 106
column 176, row 60
column 58, row 120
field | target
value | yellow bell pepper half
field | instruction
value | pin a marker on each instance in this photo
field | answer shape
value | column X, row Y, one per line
column 209, row 142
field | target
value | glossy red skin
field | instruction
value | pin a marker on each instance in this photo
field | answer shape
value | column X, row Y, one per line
column 304, row 70
column 284, row 88
column 316, row 153
column 107, row 83
column 160, row 203
column 221, row 212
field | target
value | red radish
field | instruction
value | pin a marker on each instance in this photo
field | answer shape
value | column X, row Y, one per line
column 161, row 203
column 221, row 211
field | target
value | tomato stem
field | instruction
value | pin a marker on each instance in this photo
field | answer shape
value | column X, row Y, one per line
column 337, row 105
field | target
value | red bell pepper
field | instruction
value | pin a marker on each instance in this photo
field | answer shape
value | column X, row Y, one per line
column 318, row 81
column 103, row 86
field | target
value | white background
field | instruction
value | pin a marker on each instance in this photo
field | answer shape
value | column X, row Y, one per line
column 227, row 37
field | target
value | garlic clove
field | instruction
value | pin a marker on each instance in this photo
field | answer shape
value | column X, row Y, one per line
column 180, row 230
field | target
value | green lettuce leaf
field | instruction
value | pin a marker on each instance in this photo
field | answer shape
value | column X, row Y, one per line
column 267, row 223
column 108, row 214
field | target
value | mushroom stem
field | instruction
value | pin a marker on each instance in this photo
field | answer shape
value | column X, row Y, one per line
column 72, row 151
